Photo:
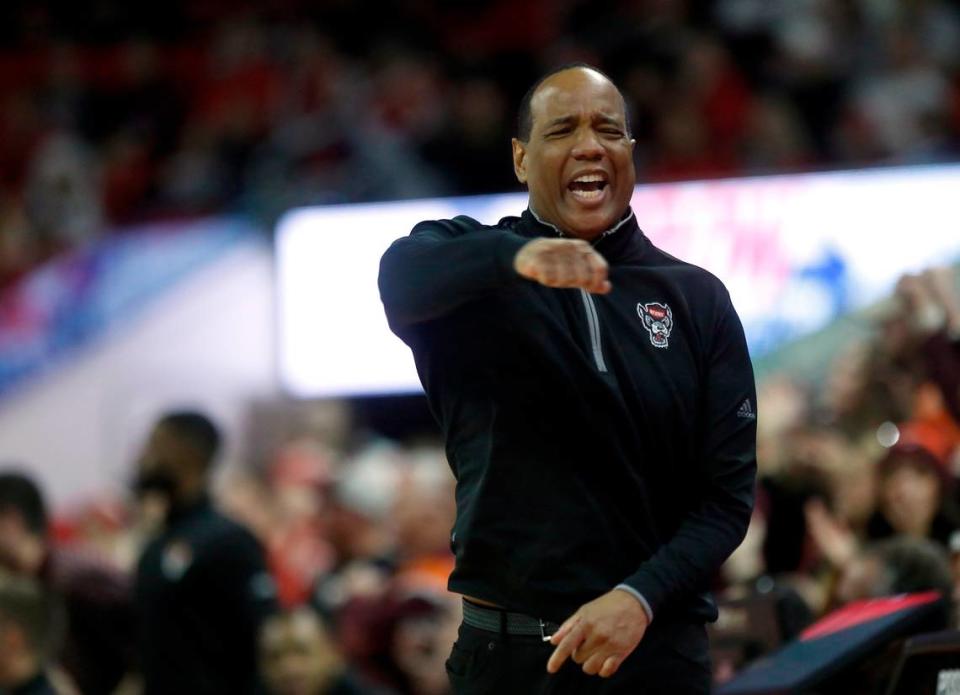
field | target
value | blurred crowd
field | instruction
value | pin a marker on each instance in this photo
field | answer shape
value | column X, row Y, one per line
column 859, row 477
column 114, row 114
column 110, row 116
column 342, row 592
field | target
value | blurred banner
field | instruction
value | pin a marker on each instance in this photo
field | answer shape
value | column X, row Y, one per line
column 795, row 252
column 76, row 299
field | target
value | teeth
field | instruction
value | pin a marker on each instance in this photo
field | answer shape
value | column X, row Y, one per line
column 589, row 178
column 588, row 195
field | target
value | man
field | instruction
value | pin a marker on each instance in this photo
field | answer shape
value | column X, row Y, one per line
column 202, row 587
column 27, row 622
column 96, row 650
column 598, row 406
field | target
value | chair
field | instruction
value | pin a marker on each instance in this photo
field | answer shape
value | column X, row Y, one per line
column 929, row 663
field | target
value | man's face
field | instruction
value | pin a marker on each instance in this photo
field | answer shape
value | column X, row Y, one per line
column 578, row 162
column 161, row 462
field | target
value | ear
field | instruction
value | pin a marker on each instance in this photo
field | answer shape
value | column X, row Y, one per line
column 519, row 160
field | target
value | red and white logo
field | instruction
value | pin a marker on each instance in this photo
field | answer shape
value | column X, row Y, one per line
column 658, row 320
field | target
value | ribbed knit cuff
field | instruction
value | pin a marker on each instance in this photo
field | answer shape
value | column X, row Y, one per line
column 637, row 595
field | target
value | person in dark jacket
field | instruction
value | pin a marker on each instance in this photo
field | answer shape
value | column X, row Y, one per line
column 598, row 406
column 202, row 587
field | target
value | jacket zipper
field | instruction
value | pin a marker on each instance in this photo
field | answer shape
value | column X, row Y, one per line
column 593, row 321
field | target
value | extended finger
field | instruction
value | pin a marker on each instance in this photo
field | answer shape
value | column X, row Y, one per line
column 566, row 647
column 594, row 643
column 610, row 666
column 593, row 665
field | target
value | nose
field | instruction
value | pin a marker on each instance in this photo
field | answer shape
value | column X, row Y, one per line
column 587, row 146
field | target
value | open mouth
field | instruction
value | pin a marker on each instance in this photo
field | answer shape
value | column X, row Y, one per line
column 588, row 187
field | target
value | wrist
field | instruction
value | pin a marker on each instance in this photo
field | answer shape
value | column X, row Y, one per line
column 639, row 598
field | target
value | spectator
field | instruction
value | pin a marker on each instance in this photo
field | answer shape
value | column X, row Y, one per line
column 356, row 522
column 298, row 657
column 27, row 624
column 912, row 497
column 896, row 566
column 97, row 650
column 425, row 617
column 202, row 588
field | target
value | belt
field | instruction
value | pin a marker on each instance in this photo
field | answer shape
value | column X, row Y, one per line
column 496, row 620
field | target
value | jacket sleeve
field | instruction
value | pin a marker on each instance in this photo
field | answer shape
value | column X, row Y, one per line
column 441, row 265
column 687, row 562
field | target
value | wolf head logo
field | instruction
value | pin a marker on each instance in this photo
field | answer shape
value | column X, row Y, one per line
column 658, row 320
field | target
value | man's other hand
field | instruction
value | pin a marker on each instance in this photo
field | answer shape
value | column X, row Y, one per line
column 563, row 263
column 600, row 635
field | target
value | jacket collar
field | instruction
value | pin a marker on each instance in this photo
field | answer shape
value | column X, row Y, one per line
column 622, row 242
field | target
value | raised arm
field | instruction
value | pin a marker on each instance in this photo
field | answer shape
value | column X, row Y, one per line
column 442, row 265
column 445, row 263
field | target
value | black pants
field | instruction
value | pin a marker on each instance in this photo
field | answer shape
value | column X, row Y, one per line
column 672, row 659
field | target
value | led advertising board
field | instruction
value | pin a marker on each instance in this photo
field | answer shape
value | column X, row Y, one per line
column 795, row 252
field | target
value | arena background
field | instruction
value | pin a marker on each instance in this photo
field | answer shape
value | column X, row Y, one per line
column 193, row 197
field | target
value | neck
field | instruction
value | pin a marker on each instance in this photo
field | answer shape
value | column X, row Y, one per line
column 628, row 213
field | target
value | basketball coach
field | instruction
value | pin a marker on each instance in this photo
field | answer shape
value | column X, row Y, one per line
column 598, row 406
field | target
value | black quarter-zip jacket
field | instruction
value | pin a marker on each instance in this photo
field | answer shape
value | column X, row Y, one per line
column 595, row 439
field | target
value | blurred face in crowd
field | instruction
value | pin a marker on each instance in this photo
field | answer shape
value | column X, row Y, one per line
column 421, row 519
column 421, row 644
column 296, row 655
column 909, row 498
column 164, row 461
column 15, row 539
column 578, row 161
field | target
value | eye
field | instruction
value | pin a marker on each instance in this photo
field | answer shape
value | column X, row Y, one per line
column 558, row 132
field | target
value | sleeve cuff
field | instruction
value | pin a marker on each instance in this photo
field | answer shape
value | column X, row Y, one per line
column 506, row 251
column 637, row 595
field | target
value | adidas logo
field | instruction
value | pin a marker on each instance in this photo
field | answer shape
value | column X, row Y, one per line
column 746, row 411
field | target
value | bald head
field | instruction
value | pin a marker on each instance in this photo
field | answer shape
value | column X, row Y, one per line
column 525, row 110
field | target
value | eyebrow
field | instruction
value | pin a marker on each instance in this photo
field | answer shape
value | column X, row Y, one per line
column 567, row 120
column 609, row 120
column 563, row 120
